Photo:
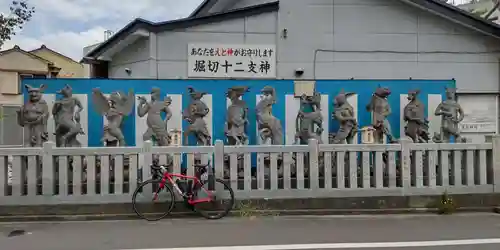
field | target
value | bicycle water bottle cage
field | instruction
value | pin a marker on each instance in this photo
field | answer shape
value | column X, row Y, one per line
column 189, row 188
column 182, row 185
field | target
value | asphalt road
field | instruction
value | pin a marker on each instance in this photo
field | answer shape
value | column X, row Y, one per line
column 429, row 232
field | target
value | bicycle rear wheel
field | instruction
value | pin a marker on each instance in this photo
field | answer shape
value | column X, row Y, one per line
column 152, row 203
column 222, row 194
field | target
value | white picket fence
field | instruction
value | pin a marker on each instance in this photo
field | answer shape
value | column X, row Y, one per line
column 51, row 175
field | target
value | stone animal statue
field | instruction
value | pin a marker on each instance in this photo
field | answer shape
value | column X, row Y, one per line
column 451, row 115
column 33, row 116
column 114, row 108
column 380, row 111
column 194, row 114
column 414, row 115
column 344, row 114
column 67, row 119
column 157, row 127
column 236, row 116
column 270, row 129
column 309, row 121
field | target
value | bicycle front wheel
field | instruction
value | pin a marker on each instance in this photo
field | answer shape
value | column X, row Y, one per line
column 222, row 200
column 152, row 203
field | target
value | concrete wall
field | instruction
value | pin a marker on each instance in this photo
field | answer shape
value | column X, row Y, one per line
column 356, row 29
column 371, row 39
column 136, row 58
column 11, row 134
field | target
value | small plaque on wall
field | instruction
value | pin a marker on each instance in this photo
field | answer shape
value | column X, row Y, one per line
column 304, row 88
column 175, row 137
column 481, row 113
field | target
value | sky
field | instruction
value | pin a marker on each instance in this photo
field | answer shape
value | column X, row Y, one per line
column 67, row 26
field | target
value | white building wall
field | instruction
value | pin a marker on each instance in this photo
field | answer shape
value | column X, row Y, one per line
column 173, row 45
column 365, row 39
column 134, row 63
column 86, row 67
column 359, row 31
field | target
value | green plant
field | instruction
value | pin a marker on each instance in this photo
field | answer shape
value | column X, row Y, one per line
column 446, row 204
column 13, row 20
column 246, row 209
column 251, row 210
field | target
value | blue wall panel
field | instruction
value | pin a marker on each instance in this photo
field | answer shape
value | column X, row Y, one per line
column 217, row 88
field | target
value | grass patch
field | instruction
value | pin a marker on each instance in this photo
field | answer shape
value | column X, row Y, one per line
column 446, row 204
column 252, row 209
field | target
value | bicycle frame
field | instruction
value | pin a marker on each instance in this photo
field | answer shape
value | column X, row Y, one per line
column 169, row 177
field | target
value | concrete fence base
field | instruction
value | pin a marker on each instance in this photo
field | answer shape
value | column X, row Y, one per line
column 261, row 207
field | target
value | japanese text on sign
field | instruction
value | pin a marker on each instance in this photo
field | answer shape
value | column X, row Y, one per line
column 480, row 113
column 233, row 61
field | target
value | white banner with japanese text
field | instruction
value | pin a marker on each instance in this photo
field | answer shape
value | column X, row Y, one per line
column 481, row 113
column 231, row 61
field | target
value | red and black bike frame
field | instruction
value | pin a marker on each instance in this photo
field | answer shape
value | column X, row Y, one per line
column 196, row 183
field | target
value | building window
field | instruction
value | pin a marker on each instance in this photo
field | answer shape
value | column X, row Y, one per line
column 40, row 76
column 35, row 76
column 25, row 76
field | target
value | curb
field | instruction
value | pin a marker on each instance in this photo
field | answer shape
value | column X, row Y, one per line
column 236, row 213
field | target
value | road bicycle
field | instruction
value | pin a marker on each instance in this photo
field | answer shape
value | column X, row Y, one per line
column 196, row 191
